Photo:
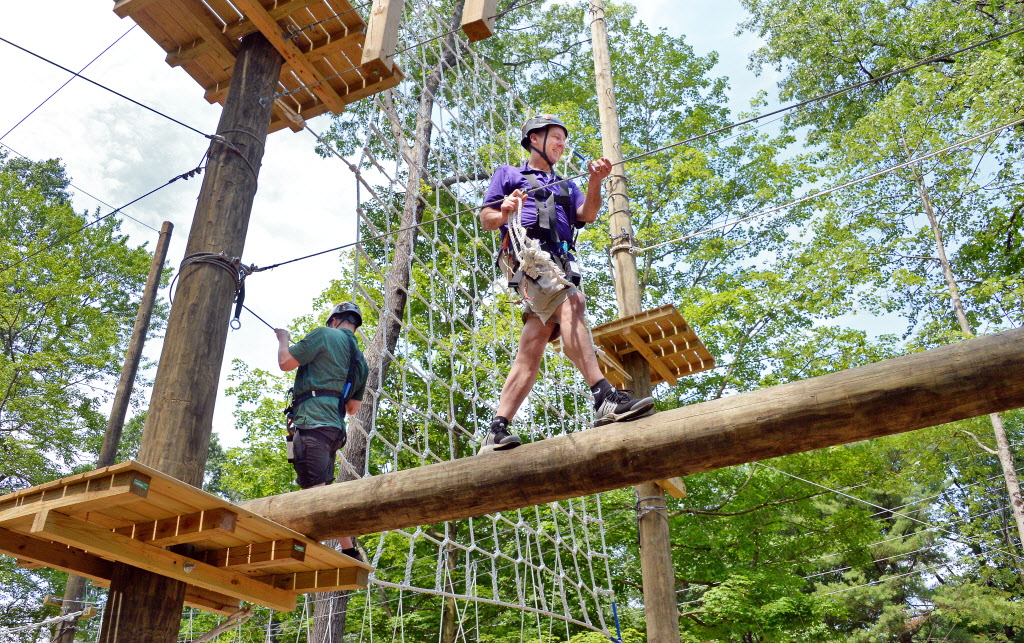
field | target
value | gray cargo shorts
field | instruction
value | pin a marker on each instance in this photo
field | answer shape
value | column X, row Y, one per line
column 541, row 296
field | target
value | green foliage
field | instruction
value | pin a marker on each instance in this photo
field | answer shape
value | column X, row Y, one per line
column 898, row 539
column 69, row 294
column 70, row 297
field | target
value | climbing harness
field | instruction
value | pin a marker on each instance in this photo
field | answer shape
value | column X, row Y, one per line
column 545, row 228
column 529, row 259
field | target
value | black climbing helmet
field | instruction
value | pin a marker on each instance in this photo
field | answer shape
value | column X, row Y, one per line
column 348, row 309
column 536, row 123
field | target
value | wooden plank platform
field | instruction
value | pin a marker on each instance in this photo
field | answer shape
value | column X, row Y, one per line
column 321, row 42
column 661, row 336
column 128, row 513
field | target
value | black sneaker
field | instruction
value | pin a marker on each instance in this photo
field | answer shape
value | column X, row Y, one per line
column 618, row 406
column 352, row 552
column 498, row 438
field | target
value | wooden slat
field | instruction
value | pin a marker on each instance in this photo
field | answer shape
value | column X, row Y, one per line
column 674, row 487
column 78, row 533
column 210, row 601
column 256, row 555
column 478, row 19
column 323, row 580
column 124, row 8
column 54, row 555
column 612, row 362
column 77, row 496
column 382, row 36
column 282, row 10
column 203, row 25
column 185, row 54
column 651, row 358
column 177, row 530
column 369, row 88
column 324, row 48
column 293, row 57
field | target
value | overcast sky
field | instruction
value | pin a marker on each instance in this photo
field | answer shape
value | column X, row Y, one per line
column 117, row 151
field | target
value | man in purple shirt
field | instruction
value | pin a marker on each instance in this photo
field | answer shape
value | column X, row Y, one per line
column 552, row 303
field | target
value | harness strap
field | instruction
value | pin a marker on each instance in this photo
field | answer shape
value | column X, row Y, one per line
column 343, row 396
column 546, row 226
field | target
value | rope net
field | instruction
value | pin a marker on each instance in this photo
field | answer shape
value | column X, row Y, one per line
column 457, row 335
column 440, row 332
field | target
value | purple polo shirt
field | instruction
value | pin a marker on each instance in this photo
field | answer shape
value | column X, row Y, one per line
column 508, row 178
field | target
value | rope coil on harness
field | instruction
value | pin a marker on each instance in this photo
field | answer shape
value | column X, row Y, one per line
column 527, row 252
column 232, row 265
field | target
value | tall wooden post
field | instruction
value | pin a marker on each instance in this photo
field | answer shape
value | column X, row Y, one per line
column 142, row 606
column 74, row 590
column 660, row 604
column 115, row 423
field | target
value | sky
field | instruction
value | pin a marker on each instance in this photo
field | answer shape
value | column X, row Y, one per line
column 115, row 151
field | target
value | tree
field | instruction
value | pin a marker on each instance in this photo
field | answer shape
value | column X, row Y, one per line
column 70, row 293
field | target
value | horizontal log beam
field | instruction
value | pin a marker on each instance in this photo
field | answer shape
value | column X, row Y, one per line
column 962, row 380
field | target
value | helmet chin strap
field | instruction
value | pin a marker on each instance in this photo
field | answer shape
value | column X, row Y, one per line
column 543, row 154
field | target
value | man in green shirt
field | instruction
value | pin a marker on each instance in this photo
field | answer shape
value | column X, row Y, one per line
column 329, row 384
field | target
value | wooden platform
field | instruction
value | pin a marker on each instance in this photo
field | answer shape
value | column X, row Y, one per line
column 321, row 42
column 128, row 513
column 661, row 336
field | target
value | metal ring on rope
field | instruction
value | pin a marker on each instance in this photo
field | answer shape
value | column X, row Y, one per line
column 232, row 265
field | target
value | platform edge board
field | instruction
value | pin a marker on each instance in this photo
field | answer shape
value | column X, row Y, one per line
column 77, row 495
column 177, row 530
column 79, row 533
column 255, row 555
column 321, row 580
column 54, row 555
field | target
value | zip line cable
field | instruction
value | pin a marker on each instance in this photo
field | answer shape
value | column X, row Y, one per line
column 842, row 186
column 701, row 232
column 185, row 175
column 93, row 197
column 101, row 86
column 697, row 137
column 581, row 175
column 68, row 81
column 895, row 513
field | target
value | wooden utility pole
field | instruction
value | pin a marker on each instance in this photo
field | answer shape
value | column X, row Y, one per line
column 115, row 423
column 941, row 385
column 142, row 606
column 658, row 574
column 74, row 590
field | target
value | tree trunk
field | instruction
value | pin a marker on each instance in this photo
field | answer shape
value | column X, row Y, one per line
column 657, row 571
column 396, row 288
column 1002, row 444
column 449, row 613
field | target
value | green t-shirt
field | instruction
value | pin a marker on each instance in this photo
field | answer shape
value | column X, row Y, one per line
column 324, row 358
